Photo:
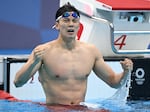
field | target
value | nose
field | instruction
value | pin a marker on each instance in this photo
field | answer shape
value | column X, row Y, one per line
column 71, row 22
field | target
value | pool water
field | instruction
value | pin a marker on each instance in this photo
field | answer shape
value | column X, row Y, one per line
column 123, row 106
column 10, row 106
column 111, row 105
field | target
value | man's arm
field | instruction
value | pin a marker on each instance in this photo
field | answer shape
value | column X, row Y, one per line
column 105, row 72
column 30, row 67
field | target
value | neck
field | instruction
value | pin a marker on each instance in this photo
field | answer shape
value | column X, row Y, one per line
column 67, row 43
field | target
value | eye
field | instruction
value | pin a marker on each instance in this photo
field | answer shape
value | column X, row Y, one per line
column 75, row 20
column 66, row 20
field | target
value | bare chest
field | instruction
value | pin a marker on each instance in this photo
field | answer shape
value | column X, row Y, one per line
column 75, row 65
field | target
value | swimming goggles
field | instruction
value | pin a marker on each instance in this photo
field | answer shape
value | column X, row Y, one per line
column 67, row 14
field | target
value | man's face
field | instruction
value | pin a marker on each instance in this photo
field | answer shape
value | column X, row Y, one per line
column 68, row 24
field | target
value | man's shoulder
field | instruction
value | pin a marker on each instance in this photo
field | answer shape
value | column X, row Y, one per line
column 92, row 48
column 88, row 45
column 46, row 44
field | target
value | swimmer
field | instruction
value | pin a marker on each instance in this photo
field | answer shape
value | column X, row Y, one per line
column 64, row 64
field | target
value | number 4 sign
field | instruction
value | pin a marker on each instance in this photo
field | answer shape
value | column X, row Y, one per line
column 120, row 41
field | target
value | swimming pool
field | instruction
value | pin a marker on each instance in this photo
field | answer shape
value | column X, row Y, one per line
column 111, row 105
column 10, row 106
column 124, row 106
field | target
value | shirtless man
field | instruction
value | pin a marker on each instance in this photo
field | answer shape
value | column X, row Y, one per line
column 64, row 64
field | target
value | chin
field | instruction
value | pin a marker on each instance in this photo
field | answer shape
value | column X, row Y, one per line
column 72, row 36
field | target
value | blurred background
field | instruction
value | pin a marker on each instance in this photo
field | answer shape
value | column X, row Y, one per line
column 25, row 24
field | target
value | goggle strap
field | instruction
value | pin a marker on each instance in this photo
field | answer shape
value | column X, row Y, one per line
column 58, row 18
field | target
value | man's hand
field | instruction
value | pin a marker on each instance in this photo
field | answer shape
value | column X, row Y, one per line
column 127, row 64
column 39, row 51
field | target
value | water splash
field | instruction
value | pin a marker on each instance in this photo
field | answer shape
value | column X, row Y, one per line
column 118, row 101
column 122, row 93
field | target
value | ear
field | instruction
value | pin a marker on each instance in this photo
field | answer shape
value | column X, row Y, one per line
column 57, row 25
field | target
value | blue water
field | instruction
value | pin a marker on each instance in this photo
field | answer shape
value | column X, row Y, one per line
column 113, row 106
column 10, row 106
column 123, row 106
